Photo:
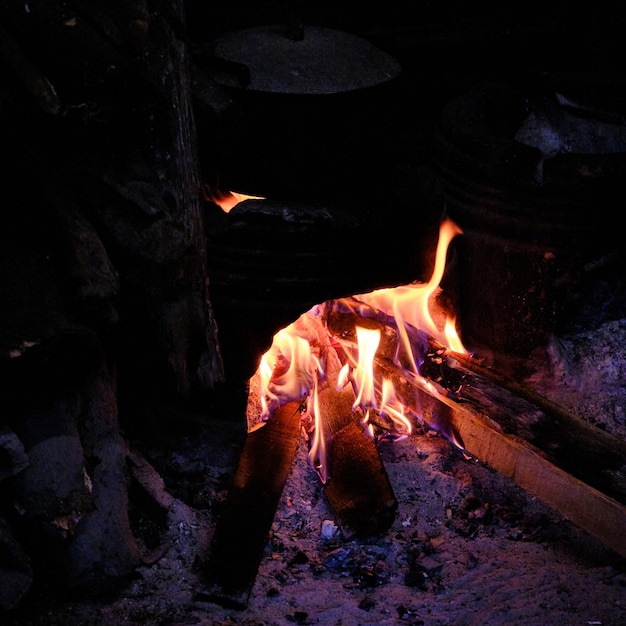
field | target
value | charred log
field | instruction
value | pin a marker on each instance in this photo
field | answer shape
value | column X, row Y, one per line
column 359, row 490
column 582, row 449
column 572, row 466
column 248, row 513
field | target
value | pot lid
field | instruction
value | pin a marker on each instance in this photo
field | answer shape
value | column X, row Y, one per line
column 322, row 61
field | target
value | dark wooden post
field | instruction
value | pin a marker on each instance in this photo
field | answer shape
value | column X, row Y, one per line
column 102, row 257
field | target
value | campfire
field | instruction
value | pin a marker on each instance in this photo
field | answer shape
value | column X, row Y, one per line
column 333, row 350
column 353, row 373
column 136, row 460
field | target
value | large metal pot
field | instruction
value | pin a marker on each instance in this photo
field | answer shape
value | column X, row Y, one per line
column 314, row 108
column 531, row 173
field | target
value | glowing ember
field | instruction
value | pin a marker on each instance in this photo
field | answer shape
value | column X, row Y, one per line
column 306, row 359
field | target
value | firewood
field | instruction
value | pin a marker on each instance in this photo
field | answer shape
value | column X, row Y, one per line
column 248, row 512
column 572, row 466
column 358, row 489
column 588, row 507
column 569, row 442
column 356, row 484
column 529, row 466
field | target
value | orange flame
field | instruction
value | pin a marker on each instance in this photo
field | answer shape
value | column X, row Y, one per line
column 296, row 365
column 226, row 200
column 409, row 304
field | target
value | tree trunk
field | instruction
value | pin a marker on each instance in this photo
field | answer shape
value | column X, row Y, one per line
column 102, row 260
column 109, row 127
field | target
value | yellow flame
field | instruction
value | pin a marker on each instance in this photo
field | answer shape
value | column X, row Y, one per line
column 317, row 450
column 409, row 304
column 368, row 340
column 393, row 408
column 291, row 369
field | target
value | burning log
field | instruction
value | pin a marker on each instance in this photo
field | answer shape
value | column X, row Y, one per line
column 347, row 460
column 358, row 490
column 532, row 469
column 583, row 450
column 248, row 513
column 387, row 346
column 571, row 465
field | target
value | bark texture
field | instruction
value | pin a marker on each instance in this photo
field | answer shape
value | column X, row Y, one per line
column 103, row 273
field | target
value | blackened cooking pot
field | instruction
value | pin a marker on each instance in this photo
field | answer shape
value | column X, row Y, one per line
column 316, row 114
column 531, row 172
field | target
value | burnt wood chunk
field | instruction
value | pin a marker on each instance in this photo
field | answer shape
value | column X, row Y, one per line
column 479, row 427
column 359, row 490
column 581, row 503
column 249, row 509
column 582, row 500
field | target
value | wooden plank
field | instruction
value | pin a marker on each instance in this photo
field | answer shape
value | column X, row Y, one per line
column 587, row 507
column 246, row 519
column 574, row 445
column 528, row 466
column 359, row 490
